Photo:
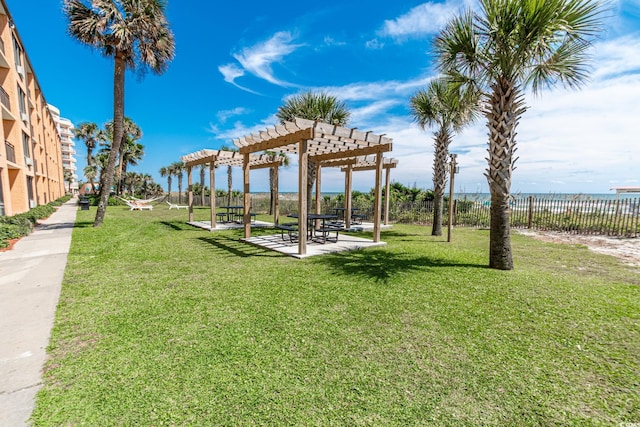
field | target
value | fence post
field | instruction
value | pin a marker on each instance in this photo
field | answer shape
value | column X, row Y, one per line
column 530, row 216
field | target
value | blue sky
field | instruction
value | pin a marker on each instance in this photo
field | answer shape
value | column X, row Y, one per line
column 236, row 63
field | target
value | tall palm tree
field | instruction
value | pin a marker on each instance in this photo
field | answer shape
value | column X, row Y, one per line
column 448, row 108
column 504, row 48
column 89, row 133
column 136, row 34
column 177, row 169
column 166, row 171
column 314, row 106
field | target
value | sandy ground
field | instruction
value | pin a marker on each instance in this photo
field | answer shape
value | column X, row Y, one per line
column 627, row 250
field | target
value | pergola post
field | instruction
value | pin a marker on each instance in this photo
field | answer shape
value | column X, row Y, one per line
column 212, row 192
column 276, row 196
column 348, row 175
column 190, row 192
column 247, row 196
column 377, row 204
column 303, row 161
column 387, row 192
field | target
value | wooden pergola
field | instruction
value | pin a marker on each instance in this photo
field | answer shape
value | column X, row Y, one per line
column 223, row 158
column 323, row 144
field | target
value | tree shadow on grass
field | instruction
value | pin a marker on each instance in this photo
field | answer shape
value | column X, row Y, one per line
column 382, row 265
column 180, row 226
column 236, row 247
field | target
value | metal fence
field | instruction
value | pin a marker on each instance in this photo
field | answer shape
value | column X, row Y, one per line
column 573, row 215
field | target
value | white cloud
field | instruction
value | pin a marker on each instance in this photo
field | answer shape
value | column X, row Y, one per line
column 374, row 44
column 224, row 115
column 231, row 72
column 378, row 90
column 258, row 59
column 427, row 18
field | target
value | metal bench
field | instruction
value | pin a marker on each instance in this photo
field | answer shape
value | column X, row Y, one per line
column 357, row 218
column 291, row 229
column 325, row 234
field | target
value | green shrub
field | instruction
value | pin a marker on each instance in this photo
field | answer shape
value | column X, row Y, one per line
column 14, row 227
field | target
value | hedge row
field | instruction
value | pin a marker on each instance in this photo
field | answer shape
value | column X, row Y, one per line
column 17, row 226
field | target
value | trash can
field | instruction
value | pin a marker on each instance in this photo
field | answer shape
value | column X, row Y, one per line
column 84, row 203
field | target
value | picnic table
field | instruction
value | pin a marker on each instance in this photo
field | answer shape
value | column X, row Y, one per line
column 323, row 232
column 232, row 213
column 355, row 216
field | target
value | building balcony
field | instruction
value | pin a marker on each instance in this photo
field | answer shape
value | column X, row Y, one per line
column 6, row 105
column 11, row 152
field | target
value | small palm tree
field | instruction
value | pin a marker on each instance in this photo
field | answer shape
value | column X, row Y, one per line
column 91, row 172
column 507, row 46
column 317, row 106
column 135, row 33
column 448, row 108
column 68, row 178
column 229, row 175
column 177, row 170
column 90, row 134
column 275, row 156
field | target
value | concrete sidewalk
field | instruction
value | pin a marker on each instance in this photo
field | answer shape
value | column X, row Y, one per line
column 30, row 282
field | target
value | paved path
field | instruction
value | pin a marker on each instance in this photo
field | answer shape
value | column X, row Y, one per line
column 30, row 281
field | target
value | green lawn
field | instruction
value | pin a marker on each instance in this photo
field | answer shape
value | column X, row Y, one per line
column 162, row 324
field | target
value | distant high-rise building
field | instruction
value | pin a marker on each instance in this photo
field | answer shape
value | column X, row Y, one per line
column 65, row 130
column 31, row 171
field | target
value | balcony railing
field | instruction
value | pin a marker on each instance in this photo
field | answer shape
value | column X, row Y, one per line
column 2, row 47
column 4, row 98
column 11, row 151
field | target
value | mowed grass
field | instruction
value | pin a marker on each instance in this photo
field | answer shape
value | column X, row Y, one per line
column 163, row 324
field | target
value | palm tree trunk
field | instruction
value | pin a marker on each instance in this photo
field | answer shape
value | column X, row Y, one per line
column 179, row 188
column 441, row 152
column 311, row 179
column 118, row 133
column 169, row 186
column 229, row 184
column 202, row 185
column 271, row 190
column 504, row 110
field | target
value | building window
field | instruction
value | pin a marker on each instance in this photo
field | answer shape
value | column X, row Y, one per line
column 25, row 148
column 17, row 52
column 32, row 202
column 22, row 101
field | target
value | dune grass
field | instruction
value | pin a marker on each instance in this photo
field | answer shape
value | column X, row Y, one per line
column 162, row 324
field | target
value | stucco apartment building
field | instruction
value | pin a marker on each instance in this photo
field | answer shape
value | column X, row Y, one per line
column 31, row 171
column 65, row 130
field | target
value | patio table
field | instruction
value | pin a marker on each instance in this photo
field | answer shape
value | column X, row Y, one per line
column 324, row 230
column 232, row 212
column 340, row 212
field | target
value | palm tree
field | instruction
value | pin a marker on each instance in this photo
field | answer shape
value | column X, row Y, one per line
column 275, row 156
column 203, row 168
column 229, row 175
column 90, row 134
column 68, row 177
column 135, row 33
column 177, row 170
column 448, row 108
column 506, row 47
column 317, row 106
column 166, row 171
column 130, row 149
column 91, row 172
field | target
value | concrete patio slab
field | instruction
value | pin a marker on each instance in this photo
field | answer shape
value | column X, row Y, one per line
column 228, row 225
column 345, row 242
